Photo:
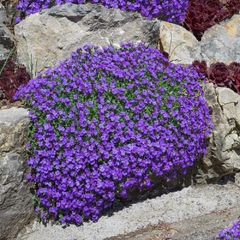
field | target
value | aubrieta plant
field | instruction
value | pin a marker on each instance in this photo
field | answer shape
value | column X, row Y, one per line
column 168, row 10
column 231, row 233
column 107, row 122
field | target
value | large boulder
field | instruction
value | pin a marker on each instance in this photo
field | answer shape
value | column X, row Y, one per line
column 220, row 43
column 223, row 151
column 45, row 38
column 181, row 45
column 16, row 205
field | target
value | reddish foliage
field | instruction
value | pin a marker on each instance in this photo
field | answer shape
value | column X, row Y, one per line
column 203, row 14
column 233, row 6
column 11, row 78
column 202, row 67
column 220, row 74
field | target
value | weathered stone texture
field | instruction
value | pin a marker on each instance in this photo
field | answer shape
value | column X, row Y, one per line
column 6, row 37
column 3, row 14
column 50, row 36
column 16, row 206
column 223, row 155
column 11, row 11
column 6, row 43
column 219, row 43
column 178, row 42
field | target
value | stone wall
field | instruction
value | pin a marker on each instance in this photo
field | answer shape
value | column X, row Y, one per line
column 223, row 150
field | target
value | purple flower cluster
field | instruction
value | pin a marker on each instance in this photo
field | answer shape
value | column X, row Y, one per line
column 107, row 122
column 231, row 233
column 168, row 10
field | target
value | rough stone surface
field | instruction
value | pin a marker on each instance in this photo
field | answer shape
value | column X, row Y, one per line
column 11, row 12
column 178, row 42
column 229, row 101
column 51, row 35
column 237, row 179
column 223, row 155
column 211, row 206
column 3, row 14
column 16, row 207
column 6, row 43
column 12, row 114
column 219, row 43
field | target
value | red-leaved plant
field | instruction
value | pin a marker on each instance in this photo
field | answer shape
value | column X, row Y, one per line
column 203, row 14
column 220, row 74
column 11, row 78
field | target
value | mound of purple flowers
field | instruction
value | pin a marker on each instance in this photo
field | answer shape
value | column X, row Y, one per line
column 231, row 233
column 107, row 122
column 168, row 10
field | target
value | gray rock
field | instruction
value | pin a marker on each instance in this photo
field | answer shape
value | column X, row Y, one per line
column 6, row 43
column 16, row 205
column 223, row 155
column 229, row 101
column 11, row 11
column 3, row 14
column 219, row 43
column 237, row 179
column 12, row 114
column 181, row 45
column 50, row 36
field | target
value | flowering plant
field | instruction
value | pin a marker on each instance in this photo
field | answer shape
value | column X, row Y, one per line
column 231, row 233
column 168, row 10
column 11, row 77
column 107, row 122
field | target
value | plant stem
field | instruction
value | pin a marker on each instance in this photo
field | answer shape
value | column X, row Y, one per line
column 5, row 62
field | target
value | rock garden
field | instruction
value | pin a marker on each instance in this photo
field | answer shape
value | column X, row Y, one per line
column 119, row 119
